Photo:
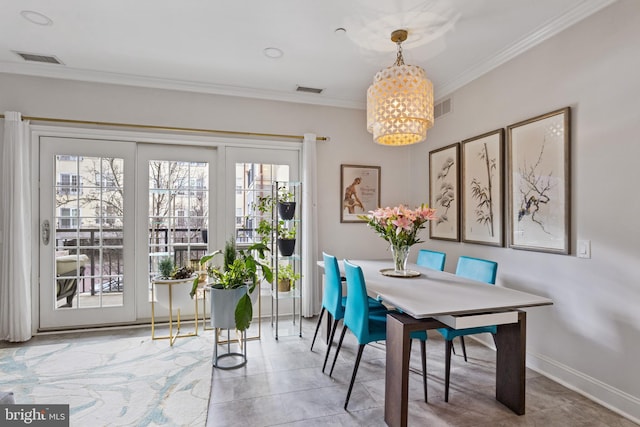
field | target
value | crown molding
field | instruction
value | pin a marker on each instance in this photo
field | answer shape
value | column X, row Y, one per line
column 542, row 33
column 66, row 73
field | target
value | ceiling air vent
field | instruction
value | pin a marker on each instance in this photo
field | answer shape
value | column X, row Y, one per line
column 442, row 108
column 31, row 57
column 308, row 89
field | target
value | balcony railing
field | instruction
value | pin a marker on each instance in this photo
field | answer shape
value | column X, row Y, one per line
column 183, row 244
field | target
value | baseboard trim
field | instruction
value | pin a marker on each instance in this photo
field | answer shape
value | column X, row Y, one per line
column 611, row 398
column 618, row 401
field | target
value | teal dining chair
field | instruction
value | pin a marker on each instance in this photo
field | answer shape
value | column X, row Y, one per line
column 368, row 326
column 431, row 259
column 333, row 302
column 481, row 270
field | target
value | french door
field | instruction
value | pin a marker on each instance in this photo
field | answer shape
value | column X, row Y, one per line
column 174, row 211
column 86, row 242
column 253, row 171
column 111, row 210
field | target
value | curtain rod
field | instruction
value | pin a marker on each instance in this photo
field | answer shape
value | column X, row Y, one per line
column 168, row 128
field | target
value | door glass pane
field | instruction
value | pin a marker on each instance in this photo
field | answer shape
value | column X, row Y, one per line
column 178, row 212
column 253, row 180
column 89, row 232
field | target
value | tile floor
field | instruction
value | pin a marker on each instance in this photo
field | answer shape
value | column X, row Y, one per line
column 282, row 385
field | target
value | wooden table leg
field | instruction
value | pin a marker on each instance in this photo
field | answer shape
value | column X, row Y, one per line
column 510, row 364
column 397, row 373
column 399, row 327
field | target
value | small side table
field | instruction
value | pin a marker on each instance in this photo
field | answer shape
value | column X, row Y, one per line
column 174, row 295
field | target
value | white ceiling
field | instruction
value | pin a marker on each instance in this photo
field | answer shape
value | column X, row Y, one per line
column 217, row 46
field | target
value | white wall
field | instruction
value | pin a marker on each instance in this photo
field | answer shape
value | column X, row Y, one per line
column 590, row 337
column 350, row 142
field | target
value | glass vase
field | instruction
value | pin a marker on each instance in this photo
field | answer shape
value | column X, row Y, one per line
column 400, row 254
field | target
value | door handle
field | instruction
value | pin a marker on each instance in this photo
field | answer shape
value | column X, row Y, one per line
column 45, row 230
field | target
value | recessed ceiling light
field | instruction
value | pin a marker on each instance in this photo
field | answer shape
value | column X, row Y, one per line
column 36, row 17
column 273, row 52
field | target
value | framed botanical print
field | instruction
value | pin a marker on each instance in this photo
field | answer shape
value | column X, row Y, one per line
column 482, row 188
column 360, row 191
column 539, row 188
column 444, row 192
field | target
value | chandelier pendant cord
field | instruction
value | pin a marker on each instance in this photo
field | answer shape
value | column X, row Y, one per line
column 399, row 58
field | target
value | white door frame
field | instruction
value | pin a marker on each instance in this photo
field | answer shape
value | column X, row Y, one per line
column 51, row 317
column 290, row 155
column 146, row 153
column 220, row 223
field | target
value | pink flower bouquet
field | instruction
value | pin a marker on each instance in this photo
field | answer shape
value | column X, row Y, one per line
column 399, row 225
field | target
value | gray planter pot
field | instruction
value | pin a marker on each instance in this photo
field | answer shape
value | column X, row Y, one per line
column 223, row 306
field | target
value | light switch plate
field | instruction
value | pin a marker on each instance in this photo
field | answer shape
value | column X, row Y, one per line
column 584, row 249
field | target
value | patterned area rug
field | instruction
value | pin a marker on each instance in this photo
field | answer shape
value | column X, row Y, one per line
column 114, row 378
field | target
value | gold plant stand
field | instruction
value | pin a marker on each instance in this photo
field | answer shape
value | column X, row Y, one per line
column 170, row 289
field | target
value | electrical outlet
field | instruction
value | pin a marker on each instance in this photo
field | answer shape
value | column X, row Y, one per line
column 584, row 249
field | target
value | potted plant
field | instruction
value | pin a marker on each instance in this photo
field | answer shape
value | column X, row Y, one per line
column 286, row 238
column 234, row 282
column 286, row 203
column 177, row 278
column 287, row 277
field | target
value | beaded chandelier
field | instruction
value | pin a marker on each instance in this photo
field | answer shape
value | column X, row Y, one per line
column 400, row 101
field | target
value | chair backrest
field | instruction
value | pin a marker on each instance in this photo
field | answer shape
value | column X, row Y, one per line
column 332, row 297
column 356, row 314
column 478, row 269
column 431, row 259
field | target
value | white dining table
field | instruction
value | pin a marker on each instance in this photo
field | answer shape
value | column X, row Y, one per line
column 436, row 299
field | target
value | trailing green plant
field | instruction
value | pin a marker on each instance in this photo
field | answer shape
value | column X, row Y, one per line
column 263, row 230
column 264, row 205
column 239, row 268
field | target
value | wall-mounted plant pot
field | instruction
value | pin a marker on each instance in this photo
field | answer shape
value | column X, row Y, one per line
column 286, row 210
column 286, row 246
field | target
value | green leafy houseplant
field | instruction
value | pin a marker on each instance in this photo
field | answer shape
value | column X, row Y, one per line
column 168, row 270
column 286, row 238
column 286, row 203
column 285, row 195
column 287, row 277
column 286, row 232
column 239, row 268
